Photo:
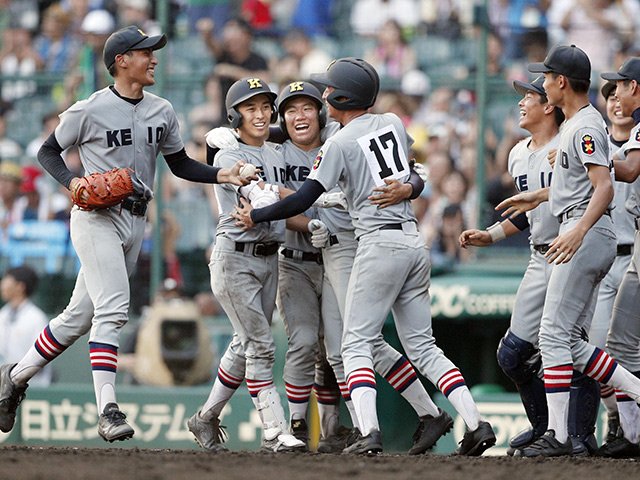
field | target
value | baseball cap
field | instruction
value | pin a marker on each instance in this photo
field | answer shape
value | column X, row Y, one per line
column 567, row 60
column 607, row 89
column 130, row 38
column 11, row 171
column 98, row 22
column 629, row 70
column 536, row 86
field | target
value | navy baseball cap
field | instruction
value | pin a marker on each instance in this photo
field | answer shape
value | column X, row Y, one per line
column 607, row 89
column 127, row 39
column 536, row 86
column 567, row 60
column 629, row 70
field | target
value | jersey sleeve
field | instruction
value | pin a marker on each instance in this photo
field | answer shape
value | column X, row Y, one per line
column 172, row 142
column 592, row 147
column 328, row 166
column 72, row 122
column 634, row 140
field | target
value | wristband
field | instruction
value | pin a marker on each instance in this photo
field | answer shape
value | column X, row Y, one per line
column 497, row 232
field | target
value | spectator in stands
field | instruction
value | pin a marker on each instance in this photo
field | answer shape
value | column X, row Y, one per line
column 442, row 18
column 10, row 182
column 20, row 319
column 257, row 13
column 392, row 56
column 368, row 16
column 50, row 121
column 314, row 17
column 18, row 57
column 301, row 59
column 89, row 74
column 233, row 53
column 446, row 251
column 55, row 43
column 137, row 12
column 9, row 148
column 33, row 203
column 209, row 112
column 77, row 11
column 220, row 10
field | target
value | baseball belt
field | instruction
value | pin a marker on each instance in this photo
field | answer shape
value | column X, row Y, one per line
column 625, row 249
column 258, row 249
column 136, row 207
column 542, row 248
column 300, row 256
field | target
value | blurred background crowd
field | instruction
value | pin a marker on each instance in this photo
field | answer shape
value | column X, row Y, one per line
column 432, row 57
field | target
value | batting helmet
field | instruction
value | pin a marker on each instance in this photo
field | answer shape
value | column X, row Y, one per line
column 355, row 82
column 242, row 90
column 301, row 89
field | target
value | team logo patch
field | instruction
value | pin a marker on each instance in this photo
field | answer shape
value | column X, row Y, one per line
column 316, row 162
column 588, row 145
column 638, row 136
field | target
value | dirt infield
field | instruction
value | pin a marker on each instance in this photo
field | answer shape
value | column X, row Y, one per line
column 22, row 463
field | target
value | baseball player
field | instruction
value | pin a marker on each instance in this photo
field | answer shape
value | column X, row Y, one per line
column 301, row 116
column 118, row 126
column 518, row 354
column 391, row 266
column 244, row 275
column 580, row 194
column 620, row 129
column 623, row 340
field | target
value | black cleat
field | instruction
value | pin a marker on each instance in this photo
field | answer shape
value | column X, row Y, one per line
column 367, row 445
column 335, row 443
column 11, row 396
column 546, row 446
column 429, row 431
column 474, row 443
column 300, row 430
column 618, row 447
column 613, row 425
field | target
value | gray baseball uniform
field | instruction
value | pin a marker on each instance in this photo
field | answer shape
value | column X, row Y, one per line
column 623, row 341
column 244, row 272
column 625, row 228
column 391, row 256
column 571, row 293
column 531, row 170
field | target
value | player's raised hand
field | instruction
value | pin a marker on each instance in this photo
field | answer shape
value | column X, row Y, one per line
column 393, row 192
column 232, row 175
column 523, row 202
column 475, row 238
column 242, row 214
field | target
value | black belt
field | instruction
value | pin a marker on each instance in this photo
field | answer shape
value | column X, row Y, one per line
column 136, row 207
column 302, row 256
column 575, row 212
column 626, row 249
column 391, row 226
column 637, row 220
column 259, row 249
column 333, row 240
column 542, row 248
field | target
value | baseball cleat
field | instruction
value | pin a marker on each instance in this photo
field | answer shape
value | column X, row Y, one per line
column 475, row 442
column 546, row 446
column 335, row 443
column 11, row 396
column 613, row 425
column 370, row 444
column 430, row 430
column 208, row 432
column 112, row 425
column 283, row 443
column 521, row 440
column 618, row 447
column 299, row 429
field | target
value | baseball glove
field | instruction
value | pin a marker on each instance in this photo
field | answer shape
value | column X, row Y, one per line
column 102, row 190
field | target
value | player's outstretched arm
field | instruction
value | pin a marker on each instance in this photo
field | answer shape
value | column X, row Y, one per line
column 493, row 234
column 523, row 202
column 232, row 175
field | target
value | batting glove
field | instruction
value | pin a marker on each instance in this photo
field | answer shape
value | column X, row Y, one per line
column 331, row 200
column 421, row 170
column 319, row 233
column 223, row 138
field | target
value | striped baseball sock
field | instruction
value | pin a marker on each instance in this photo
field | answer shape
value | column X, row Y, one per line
column 453, row 386
column 605, row 369
column 362, row 387
column 298, row 398
column 608, row 397
column 344, row 391
column 328, row 409
column 223, row 389
column 104, row 365
column 45, row 349
column 557, row 384
column 403, row 378
column 629, row 416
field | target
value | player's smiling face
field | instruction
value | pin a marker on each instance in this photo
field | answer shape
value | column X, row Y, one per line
column 302, row 123
column 531, row 110
column 142, row 66
column 256, row 115
column 624, row 94
column 614, row 112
